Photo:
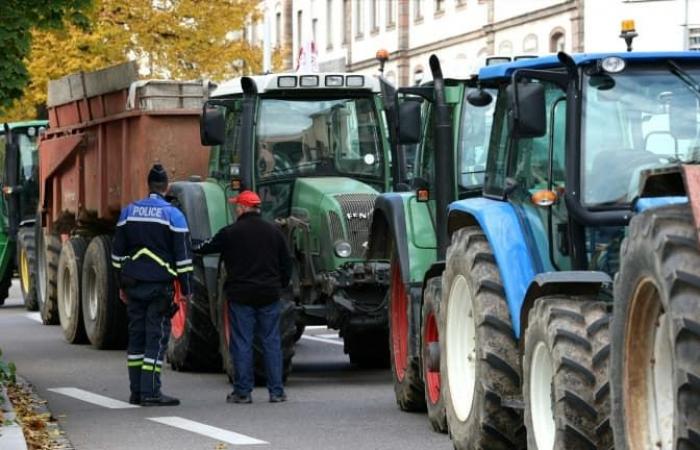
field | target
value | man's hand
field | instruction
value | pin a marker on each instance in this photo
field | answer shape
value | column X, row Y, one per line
column 123, row 297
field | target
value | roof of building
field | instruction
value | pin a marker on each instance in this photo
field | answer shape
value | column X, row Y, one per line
column 307, row 81
column 546, row 62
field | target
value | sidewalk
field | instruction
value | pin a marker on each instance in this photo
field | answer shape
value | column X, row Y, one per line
column 11, row 436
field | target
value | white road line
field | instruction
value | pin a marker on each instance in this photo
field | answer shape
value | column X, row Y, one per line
column 218, row 434
column 316, row 327
column 328, row 336
column 35, row 316
column 325, row 341
column 95, row 399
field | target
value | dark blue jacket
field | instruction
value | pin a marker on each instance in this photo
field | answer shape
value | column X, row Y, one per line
column 152, row 243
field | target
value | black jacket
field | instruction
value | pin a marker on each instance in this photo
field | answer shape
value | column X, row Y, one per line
column 152, row 243
column 256, row 257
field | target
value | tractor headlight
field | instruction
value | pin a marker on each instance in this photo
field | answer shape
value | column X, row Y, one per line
column 343, row 249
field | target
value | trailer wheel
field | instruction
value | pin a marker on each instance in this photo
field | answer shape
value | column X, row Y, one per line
column 70, row 265
column 48, row 251
column 655, row 369
column 408, row 384
column 561, row 371
column 367, row 348
column 104, row 315
column 431, row 326
column 193, row 343
column 479, row 358
column 26, row 264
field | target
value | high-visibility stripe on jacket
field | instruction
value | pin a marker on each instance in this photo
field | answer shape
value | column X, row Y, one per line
column 152, row 243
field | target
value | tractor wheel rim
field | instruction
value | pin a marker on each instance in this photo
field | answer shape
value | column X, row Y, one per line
column 542, row 412
column 177, row 323
column 93, row 297
column 648, row 371
column 432, row 376
column 66, row 295
column 461, row 348
column 24, row 270
column 399, row 323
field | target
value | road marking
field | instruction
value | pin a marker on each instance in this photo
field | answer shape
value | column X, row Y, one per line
column 318, row 339
column 316, row 327
column 218, row 434
column 35, row 316
column 95, row 399
column 328, row 336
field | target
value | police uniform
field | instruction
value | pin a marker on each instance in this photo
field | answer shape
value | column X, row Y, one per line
column 151, row 248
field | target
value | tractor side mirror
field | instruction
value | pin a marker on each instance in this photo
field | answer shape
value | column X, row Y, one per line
column 479, row 98
column 409, row 122
column 212, row 126
column 683, row 116
column 528, row 113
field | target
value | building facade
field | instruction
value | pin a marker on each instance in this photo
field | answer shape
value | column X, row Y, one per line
column 347, row 33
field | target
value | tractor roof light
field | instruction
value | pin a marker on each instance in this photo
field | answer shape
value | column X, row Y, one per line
column 308, row 81
column 612, row 64
column 628, row 33
column 334, row 80
column 354, row 81
column 287, row 82
column 627, row 26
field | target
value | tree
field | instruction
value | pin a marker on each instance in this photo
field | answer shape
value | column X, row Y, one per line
column 182, row 39
column 17, row 20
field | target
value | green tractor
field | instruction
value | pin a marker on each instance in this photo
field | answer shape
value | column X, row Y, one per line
column 315, row 147
column 18, row 210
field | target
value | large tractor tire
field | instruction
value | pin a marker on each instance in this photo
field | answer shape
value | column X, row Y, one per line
column 479, row 358
column 565, row 361
column 48, row 251
column 367, row 349
column 193, row 344
column 26, row 265
column 408, row 383
column 655, row 360
column 104, row 315
column 431, row 326
column 70, row 270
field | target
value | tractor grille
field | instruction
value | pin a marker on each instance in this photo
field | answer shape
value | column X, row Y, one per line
column 357, row 213
column 335, row 227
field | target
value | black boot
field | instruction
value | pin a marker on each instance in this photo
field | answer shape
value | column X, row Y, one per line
column 135, row 399
column 161, row 400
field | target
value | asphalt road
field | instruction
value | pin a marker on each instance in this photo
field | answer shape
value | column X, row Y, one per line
column 331, row 404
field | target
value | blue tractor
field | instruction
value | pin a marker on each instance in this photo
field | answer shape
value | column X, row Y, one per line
column 588, row 176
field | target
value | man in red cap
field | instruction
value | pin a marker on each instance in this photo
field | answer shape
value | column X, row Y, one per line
column 258, row 265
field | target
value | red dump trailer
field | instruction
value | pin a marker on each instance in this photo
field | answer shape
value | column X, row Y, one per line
column 106, row 130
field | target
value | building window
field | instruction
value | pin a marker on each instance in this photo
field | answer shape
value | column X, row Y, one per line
column 390, row 22
column 530, row 44
column 439, row 6
column 329, row 23
column 505, row 48
column 278, row 29
column 314, row 27
column 461, row 3
column 299, row 28
column 694, row 39
column 375, row 15
column 417, row 12
column 557, row 41
column 359, row 28
column 346, row 20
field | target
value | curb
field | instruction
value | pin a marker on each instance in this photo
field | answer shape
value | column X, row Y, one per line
column 11, row 435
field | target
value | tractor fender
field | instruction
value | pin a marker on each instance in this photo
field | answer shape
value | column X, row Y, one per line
column 388, row 232
column 507, row 239
column 569, row 283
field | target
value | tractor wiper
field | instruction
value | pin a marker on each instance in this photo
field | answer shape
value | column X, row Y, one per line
column 685, row 77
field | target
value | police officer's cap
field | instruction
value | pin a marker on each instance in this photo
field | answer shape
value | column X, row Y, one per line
column 157, row 174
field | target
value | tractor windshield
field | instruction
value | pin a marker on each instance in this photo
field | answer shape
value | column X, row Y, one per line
column 318, row 137
column 642, row 118
column 474, row 134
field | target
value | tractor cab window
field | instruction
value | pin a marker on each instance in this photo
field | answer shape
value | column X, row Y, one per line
column 225, row 158
column 496, row 162
column 318, row 137
column 642, row 118
column 473, row 141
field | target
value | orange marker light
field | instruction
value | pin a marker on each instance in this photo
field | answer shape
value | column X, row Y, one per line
column 422, row 195
column 627, row 26
column 544, row 198
column 236, row 185
column 382, row 54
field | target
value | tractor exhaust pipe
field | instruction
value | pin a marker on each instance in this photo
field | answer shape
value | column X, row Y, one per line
column 445, row 188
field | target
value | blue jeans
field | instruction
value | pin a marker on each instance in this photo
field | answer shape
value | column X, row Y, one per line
column 248, row 322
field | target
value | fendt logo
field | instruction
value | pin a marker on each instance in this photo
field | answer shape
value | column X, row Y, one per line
column 357, row 215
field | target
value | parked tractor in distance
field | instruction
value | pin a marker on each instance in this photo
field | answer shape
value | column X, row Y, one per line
column 315, row 148
column 580, row 145
column 20, row 187
column 106, row 130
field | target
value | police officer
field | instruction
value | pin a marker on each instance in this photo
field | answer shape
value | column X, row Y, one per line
column 151, row 248
column 258, row 265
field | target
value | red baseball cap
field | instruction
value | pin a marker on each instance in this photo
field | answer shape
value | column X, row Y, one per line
column 246, row 198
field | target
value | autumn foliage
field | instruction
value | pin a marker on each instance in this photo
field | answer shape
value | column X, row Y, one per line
column 180, row 39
